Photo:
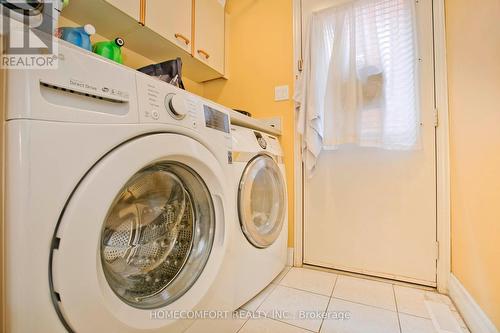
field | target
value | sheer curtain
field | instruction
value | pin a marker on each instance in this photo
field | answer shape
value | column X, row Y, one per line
column 359, row 82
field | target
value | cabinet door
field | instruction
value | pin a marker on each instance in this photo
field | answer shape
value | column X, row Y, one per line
column 129, row 7
column 172, row 20
column 209, row 33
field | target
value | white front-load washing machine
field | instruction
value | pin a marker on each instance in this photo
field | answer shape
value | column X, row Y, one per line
column 118, row 205
column 260, row 242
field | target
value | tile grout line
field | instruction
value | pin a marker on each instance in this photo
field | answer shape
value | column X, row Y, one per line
column 397, row 309
column 289, row 324
column 359, row 303
column 284, row 322
column 329, row 301
column 264, row 299
column 269, row 294
column 307, row 291
column 339, row 298
column 277, row 284
column 244, row 323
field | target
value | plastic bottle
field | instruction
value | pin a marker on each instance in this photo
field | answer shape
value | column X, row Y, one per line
column 110, row 49
column 79, row 36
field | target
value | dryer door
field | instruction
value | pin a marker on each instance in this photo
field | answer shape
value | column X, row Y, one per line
column 143, row 230
column 261, row 201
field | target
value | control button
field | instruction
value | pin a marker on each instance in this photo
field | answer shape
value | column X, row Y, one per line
column 174, row 104
column 155, row 115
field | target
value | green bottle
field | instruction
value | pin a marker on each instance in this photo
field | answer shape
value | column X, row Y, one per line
column 110, row 49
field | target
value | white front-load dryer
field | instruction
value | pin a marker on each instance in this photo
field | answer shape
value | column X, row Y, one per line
column 260, row 242
column 119, row 211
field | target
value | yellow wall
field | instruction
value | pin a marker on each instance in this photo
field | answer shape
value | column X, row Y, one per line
column 473, row 46
column 260, row 57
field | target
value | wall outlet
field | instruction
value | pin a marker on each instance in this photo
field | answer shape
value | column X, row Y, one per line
column 281, row 93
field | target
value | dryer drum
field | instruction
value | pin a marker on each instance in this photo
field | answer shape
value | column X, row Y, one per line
column 157, row 235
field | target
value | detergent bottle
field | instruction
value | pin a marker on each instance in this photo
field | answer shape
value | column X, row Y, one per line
column 110, row 49
column 79, row 36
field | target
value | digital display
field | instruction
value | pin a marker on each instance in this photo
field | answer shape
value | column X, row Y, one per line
column 216, row 119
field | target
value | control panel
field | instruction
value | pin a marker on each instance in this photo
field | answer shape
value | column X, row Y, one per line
column 165, row 104
column 162, row 103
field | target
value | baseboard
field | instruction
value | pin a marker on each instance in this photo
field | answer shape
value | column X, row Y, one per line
column 289, row 256
column 472, row 313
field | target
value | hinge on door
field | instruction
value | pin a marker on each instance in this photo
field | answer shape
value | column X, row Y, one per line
column 436, row 118
column 300, row 64
column 437, row 250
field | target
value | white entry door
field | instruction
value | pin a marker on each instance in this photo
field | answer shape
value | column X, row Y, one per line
column 373, row 211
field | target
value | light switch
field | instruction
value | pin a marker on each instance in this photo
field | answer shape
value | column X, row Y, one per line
column 281, row 93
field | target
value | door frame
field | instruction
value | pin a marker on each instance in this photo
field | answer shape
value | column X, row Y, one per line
column 443, row 221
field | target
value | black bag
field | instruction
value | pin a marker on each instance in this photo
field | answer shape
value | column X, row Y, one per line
column 169, row 71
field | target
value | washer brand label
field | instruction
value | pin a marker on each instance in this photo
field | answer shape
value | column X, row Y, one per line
column 91, row 88
column 82, row 85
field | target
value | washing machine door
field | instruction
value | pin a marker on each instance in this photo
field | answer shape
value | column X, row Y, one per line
column 262, row 201
column 143, row 232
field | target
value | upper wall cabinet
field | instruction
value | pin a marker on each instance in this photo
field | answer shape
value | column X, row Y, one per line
column 112, row 18
column 209, row 33
column 192, row 30
column 172, row 19
column 130, row 7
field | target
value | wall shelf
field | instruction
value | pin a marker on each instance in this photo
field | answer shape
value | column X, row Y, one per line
column 270, row 125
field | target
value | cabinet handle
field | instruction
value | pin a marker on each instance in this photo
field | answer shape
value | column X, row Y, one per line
column 142, row 12
column 184, row 38
column 204, row 53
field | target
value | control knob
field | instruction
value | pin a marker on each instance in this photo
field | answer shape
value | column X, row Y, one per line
column 175, row 106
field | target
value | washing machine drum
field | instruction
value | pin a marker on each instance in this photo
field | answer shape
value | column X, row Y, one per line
column 148, row 237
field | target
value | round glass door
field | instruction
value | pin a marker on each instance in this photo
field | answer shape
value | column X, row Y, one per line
column 157, row 235
column 261, row 201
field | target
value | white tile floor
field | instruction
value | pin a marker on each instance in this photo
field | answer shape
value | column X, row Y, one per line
column 372, row 307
